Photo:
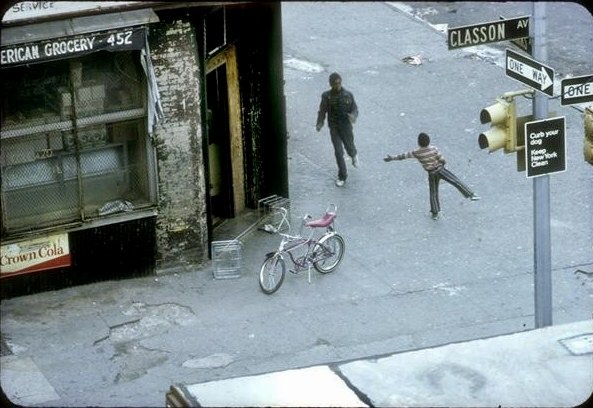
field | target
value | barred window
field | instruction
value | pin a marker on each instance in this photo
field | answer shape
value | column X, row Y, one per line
column 74, row 143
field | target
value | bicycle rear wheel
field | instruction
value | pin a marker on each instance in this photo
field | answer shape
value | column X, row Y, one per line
column 271, row 274
column 328, row 253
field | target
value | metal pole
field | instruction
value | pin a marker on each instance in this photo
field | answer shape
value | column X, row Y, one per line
column 541, row 191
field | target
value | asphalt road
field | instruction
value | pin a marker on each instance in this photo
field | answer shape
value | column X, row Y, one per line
column 386, row 205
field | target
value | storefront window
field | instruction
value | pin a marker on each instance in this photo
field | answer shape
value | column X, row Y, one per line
column 74, row 141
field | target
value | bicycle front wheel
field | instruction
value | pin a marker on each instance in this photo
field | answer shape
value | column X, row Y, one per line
column 328, row 253
column 271, row 274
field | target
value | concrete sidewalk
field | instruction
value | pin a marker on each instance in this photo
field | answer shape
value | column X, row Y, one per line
column 548, row 367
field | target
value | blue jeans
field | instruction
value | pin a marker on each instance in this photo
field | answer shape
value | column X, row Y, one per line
column 342, row 138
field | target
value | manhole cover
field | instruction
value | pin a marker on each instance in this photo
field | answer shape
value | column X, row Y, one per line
column 578, row 345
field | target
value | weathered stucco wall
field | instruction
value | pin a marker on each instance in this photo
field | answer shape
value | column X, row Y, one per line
column 182, row 234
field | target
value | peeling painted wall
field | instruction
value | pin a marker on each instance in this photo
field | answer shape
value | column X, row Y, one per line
column 182, row 231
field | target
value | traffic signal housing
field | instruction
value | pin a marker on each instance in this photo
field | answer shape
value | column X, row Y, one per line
column 502, row 117
column 588, row 140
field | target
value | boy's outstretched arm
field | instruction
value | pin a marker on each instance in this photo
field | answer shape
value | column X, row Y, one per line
column 407, row 155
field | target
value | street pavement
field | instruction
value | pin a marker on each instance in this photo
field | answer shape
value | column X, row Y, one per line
column 406, row 282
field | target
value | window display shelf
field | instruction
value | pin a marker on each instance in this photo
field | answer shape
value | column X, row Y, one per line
column 68, row 125
column 61, row 168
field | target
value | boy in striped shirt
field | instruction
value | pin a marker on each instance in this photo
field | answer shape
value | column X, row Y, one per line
column 433, row 162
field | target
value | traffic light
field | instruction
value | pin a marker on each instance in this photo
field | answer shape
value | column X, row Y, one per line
column 588, row 140
column 503, row 131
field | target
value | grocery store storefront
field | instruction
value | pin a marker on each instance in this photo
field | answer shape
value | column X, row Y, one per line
column 77, row 113
column 74, row 133
column 108, row 170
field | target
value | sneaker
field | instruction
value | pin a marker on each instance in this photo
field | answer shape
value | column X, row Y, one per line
column 355, row 161
column 339, row 183
column 435, row 216
column 474, row 197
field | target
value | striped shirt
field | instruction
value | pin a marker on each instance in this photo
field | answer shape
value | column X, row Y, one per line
column 429, row 156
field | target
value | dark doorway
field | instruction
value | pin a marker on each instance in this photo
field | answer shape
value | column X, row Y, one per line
column 219, row 146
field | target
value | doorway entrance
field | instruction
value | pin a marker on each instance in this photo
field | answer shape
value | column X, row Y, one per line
column 219, row 149
column 225, row 144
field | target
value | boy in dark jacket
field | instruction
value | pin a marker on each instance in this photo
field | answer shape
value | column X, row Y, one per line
column 341, row 110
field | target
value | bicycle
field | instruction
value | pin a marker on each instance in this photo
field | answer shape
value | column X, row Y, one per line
column 324, row 253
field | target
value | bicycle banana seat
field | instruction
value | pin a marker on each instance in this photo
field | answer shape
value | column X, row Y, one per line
column 322, row 222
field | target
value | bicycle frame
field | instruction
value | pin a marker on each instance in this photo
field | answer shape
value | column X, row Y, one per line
column 290, row 243
column 324, row 252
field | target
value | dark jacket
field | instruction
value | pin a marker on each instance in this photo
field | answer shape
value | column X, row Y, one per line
column 340, row 108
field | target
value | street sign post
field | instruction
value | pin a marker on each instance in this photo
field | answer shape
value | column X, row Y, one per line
column 545, row 146
column 524, row 44
column 542, row 244
column 530, row 72
column 484, row 33
column 577, row 90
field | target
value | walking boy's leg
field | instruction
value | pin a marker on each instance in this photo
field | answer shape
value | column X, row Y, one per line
column 433, row 186
column 348, row 139
column 454, row 181
column 339, row 153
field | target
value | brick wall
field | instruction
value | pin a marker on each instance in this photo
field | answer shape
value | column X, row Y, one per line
column 182, row 237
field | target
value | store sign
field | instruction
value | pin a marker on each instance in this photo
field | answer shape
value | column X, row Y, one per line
column 35, row 255
column 132, row 38
column 37, row 9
